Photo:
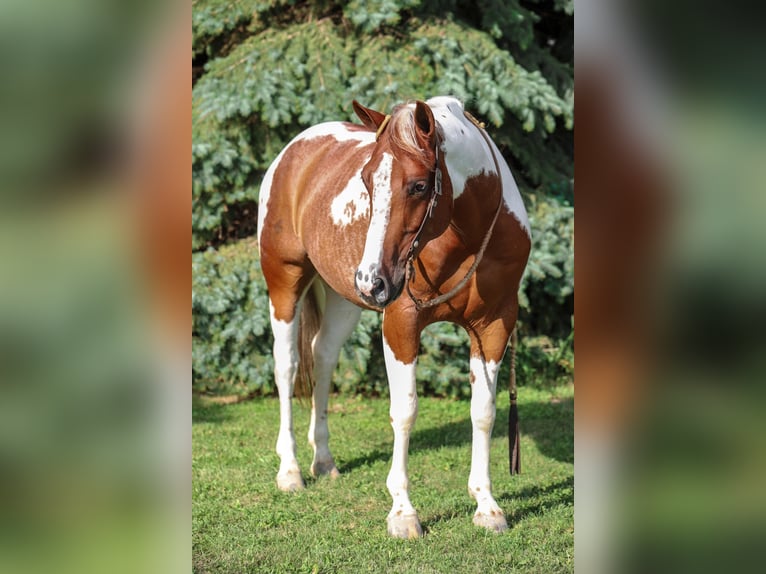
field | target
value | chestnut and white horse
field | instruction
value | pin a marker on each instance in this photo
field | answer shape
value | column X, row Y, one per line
column 414, row 214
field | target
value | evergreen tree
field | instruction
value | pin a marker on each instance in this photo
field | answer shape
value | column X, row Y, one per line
column 263, row 70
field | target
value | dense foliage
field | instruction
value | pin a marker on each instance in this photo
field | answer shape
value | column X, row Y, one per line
column 264, row 70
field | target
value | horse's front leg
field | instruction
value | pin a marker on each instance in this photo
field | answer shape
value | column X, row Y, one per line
column 403, row 519
column 484, row 365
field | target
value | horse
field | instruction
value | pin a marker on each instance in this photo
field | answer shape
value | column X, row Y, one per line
column 414, row 214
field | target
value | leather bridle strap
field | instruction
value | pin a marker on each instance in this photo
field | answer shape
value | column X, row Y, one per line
column 420, row 304
column 435, row 194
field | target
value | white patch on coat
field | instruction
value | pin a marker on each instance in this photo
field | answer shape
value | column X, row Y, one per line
column 467, row 155
column 338, row 130
column 511, row 195
column 352, row 203
column 465, row 150
column 381, row 214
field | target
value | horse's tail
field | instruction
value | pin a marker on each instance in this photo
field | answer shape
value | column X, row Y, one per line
column 311, row 319
column 514, row 452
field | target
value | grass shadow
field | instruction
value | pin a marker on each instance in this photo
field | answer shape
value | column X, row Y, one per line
column 205, row 411
column 546, row 497
column 372, row 457
column 529, row 501
column 458, row 511
column 549, row 423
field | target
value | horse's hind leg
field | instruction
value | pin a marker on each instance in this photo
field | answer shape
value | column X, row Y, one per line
column 285, row 368
column 284, row 307
column 338, row 321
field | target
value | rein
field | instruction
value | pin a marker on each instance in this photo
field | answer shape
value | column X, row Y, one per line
column 420, row 304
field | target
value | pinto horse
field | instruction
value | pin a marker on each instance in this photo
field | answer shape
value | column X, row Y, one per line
column 414, row 214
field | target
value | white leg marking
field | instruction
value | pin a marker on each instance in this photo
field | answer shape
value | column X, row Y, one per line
column 484, row 376
column 381, row 213
column 403, row 519
column 340, row 318
column 285, row 367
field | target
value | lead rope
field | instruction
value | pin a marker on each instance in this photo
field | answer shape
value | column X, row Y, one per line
column 410, row 268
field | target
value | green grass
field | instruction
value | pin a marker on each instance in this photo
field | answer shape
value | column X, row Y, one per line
column 242, row 523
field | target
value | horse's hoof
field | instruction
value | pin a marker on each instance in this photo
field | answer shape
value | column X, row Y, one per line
column 325, row 468
column 404, row 526
column 290, row 481
column 494, row 521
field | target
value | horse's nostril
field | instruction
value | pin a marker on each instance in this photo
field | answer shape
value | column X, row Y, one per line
column 379, row 290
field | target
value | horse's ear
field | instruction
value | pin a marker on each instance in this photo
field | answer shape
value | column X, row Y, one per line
column 369, row 117
column 424, row 120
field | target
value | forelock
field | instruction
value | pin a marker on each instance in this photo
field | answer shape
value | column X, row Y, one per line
column 402, row 131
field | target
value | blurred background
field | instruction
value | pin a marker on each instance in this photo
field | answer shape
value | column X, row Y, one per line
column 94, row 283
column 94, row 347
column 669, row 428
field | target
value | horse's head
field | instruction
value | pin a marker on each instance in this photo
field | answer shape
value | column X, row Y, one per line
column 410, row 202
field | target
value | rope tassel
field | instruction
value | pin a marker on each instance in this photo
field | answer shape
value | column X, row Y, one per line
column 514, row 450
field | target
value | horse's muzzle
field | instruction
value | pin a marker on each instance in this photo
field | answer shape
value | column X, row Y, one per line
column 376, row 289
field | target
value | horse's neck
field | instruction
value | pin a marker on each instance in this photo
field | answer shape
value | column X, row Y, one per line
column 477, row 171
column 467, row 152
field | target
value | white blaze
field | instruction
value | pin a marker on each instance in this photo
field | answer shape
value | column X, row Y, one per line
column 381, row 213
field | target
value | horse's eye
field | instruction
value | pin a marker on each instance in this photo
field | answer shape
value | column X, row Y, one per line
column 418, row 188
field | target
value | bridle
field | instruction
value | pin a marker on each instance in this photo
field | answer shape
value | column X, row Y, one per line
column 432, row 201
column 436, row 192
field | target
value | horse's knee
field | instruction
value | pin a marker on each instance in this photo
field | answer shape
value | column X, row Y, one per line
column 483, row 416
column 403, row 414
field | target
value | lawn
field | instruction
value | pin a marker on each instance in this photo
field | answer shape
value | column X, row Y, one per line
column 242, row 523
